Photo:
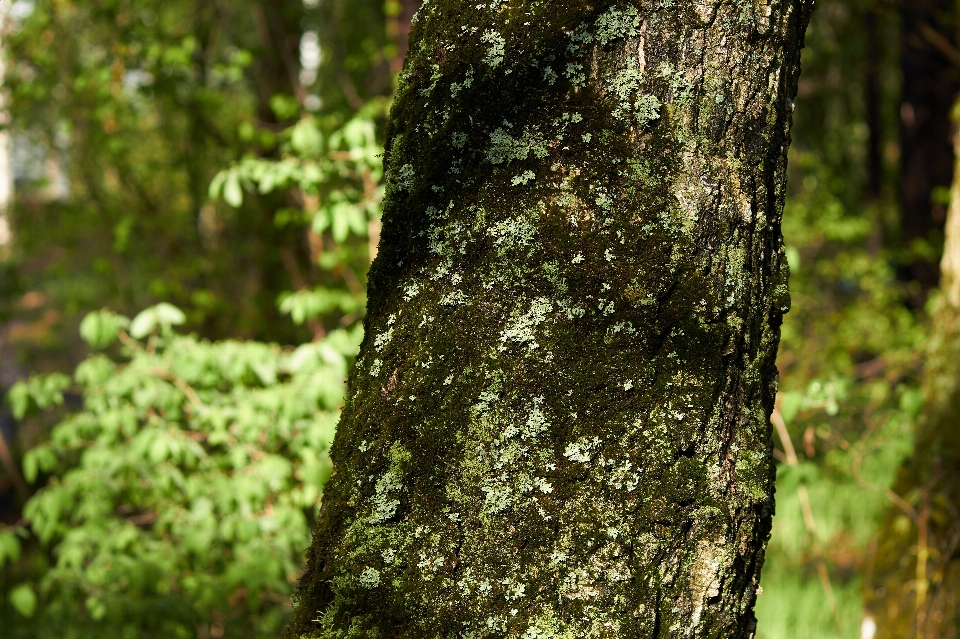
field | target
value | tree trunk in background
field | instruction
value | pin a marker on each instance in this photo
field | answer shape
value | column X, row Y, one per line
column 558, row 422
column 6, row 150
column 917, row 566
column 871, row 98
column 930, row 85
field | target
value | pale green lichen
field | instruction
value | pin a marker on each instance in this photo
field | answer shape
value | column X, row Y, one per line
column 505, row 148
column 494, row 55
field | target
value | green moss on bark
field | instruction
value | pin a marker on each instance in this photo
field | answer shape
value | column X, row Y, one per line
column 558, row 424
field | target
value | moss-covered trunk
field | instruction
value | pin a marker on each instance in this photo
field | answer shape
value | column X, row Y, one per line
column 917, row 586
column 558, row 423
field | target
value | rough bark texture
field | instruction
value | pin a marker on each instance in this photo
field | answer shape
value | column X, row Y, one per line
column 918, row 564
column 558, row 423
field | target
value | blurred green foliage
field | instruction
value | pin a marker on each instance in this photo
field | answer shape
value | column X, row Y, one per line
column 176, row 479
column 127, row 109
column 180, row 498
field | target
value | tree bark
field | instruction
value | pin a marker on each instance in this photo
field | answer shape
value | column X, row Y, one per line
column 558, row 425
column 918, row 565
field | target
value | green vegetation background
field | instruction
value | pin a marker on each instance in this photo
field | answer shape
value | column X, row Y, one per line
column 168, row 486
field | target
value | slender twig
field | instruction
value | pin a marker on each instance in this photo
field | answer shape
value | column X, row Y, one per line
column 185, row 388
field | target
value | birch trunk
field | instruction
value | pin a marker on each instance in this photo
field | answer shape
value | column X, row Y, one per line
column 6, row 150
column 558, row 425
column 917, row 589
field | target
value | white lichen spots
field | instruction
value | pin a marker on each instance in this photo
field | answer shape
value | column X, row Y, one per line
column 704, row 577
column 370, row 577
column 646, row 109
column 547, row 627
column 383, row 339
column 603, row 200
column 506, row 148
column 587, row 137
column 385, row 501
column 521, row 328
column 404, row 179
column 454, row 298
column 616, row 24
column 497, row 50
column 544, row 486
column 624, row 85
column 575, row 74
column 623, row 477
column 375, row 368
column 497, row 497
column 627, row 385
column 411, row 291
column 580, row 450
column 515, row 591
column 459, row 140
column 577, row 258
column 680, row 86
column 513, row 232
column 537, row 423
column 523, row 178
column 455, row 88
column 550, row 75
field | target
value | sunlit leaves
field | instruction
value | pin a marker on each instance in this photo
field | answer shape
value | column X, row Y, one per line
column 188, row 479
column 42, row 391
column 306, row 305
column 100, row 329
column 161, row 316
column 344, row 168
column 23, row 599
column 10, row 547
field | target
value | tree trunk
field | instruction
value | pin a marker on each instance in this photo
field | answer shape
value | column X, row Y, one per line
column 558, row 425
column 930, row 85
column 6, row 150
column 917, row 565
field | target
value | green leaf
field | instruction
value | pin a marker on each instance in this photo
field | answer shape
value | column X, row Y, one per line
column 162, row 315
column 100, row 328
column 9, row 546
column 232, row 191
column 305, row 138
column 793, row 257
column 24, row 600
column 30, row 467
column 790, row 404
column 285, row 107
column 216, row 185
column 19, row 398
column 94, row 371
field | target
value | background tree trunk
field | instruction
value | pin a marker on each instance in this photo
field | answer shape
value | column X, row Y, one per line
column 6, row 150
column 558, row 423
column 917, row 563
column 928, row 63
